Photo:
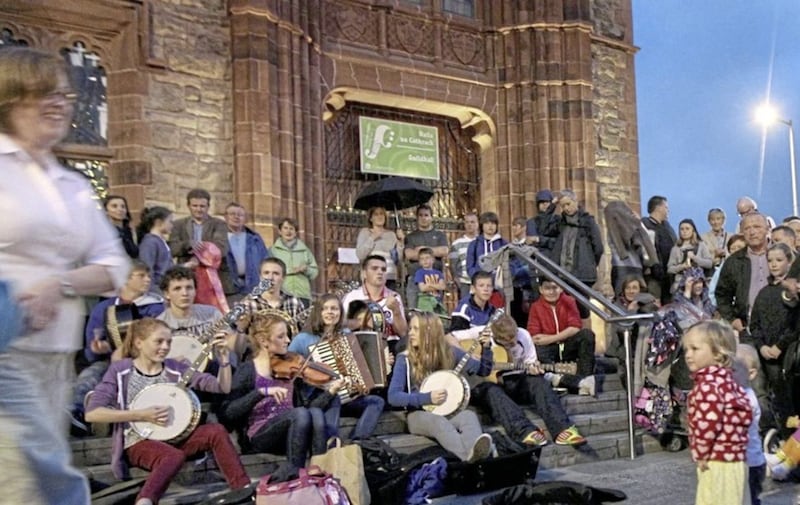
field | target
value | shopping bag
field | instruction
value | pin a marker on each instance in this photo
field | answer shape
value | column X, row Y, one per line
column 346, row 464
column 311, row 487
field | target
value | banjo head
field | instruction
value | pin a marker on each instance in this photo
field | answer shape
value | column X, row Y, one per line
column 184, row 412
column 187, row 348
column 457, row 388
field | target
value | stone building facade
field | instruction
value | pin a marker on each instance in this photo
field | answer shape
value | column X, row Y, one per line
column 250, row 99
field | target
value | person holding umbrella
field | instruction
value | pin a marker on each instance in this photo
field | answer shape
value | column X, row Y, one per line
column 394, row 193
column 377, row 239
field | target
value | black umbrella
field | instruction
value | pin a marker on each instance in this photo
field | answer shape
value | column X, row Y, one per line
column 393, row 193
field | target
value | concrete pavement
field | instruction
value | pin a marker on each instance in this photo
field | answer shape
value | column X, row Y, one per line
column 663, row 478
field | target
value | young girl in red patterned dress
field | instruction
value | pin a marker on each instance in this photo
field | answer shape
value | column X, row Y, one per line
column 719, row 415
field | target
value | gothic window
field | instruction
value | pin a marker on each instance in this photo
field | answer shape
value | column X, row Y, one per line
column 464, row 8
column 461, row 7
column 86, row 147
column 94, row 170
column 90, row 120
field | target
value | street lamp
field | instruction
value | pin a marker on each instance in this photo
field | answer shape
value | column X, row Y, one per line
column 767, row 115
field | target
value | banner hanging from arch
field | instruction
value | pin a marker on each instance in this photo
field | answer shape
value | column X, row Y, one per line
column 398, row 148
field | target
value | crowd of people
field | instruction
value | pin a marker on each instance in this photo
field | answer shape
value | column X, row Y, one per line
column 204, row 302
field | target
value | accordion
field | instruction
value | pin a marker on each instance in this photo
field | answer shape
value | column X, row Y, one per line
column 362, row 365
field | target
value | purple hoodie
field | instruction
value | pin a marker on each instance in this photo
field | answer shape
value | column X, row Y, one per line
column 112, row 393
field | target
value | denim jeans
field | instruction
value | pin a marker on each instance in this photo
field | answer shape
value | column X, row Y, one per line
column 35, row 455
column 492, row 398
column 579, row 347
column 368, row 409
column 87, row 380
column 533, row 390
column 293, row 432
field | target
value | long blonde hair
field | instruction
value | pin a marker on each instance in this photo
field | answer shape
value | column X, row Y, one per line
column 140, row 330
column 432, row 352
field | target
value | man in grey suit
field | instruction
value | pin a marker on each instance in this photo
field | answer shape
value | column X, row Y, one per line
column 199, row 227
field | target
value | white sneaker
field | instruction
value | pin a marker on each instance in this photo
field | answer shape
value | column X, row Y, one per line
column 553, row 378
column 587, row 386
column 481, row 449
column 777, row 468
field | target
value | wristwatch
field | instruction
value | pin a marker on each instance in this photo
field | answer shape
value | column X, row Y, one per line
column 67, row 289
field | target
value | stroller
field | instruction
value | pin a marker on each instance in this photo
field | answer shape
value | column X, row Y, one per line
column 661, row 378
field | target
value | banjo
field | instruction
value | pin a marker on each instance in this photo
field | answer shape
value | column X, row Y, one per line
column 456, row 385
column 184, row 407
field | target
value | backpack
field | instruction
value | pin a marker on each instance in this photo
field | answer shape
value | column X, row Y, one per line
column 653, row 407
column 383, row 470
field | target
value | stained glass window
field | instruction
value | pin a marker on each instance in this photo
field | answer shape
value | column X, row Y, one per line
column 460, row 7
column 90, row 120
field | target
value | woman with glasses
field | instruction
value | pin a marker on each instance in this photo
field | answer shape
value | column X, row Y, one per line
column 376, row 238
column 60, row 248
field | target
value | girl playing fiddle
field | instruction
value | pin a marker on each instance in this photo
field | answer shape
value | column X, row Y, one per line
column 270, row 404
column 148, row 343
column 326, row 324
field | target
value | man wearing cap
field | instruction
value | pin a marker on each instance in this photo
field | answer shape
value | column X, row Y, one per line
column 540, row 229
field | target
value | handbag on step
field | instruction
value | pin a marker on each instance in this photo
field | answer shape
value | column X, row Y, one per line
column 312, row 487
column 346, row 463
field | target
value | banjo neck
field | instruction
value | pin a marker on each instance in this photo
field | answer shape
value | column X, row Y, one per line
column 498, row 313
column 229, row 320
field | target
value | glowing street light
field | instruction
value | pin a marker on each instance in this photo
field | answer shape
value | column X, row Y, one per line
column 767, row 115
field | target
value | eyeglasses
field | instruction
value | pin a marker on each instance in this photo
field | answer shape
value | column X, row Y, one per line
column 67, row 95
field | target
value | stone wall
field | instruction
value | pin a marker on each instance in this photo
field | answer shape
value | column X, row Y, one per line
column 614, row 109
column 188, row 105
column 614, row 102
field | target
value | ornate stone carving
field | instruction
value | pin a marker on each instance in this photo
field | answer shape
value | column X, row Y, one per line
column 352, row 24
column 412, row 36
column 467, row 48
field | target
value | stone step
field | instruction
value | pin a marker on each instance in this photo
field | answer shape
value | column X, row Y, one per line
column 602, row 447
column 97, row 450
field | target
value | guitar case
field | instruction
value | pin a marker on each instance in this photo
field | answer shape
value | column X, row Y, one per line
column 493, row 473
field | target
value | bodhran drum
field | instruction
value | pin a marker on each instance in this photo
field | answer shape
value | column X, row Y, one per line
column 187, row 348
column 184, row 412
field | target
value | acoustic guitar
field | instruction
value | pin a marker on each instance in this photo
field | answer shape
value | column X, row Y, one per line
column 502, row 362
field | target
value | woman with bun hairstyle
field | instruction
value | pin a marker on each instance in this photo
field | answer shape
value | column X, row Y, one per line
column 154, row 230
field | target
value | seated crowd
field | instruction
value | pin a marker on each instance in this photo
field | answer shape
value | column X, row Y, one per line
column 280, row 367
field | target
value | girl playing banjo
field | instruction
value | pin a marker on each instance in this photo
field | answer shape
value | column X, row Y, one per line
column 147, row 344
column 428, row 351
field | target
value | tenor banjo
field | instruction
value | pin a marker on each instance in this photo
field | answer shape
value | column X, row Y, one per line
column 456, row 385
column 184, row 407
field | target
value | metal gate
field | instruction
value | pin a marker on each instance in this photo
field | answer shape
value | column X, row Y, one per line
column 456, row 192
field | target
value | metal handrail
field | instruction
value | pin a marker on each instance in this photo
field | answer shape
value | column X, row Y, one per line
column 609, row 312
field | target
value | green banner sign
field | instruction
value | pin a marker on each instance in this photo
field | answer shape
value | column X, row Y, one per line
column 396, row 148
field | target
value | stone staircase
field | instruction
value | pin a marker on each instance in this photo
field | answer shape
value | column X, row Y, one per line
column 602, row 419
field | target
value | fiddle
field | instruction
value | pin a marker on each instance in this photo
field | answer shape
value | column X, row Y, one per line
column 291, row 365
